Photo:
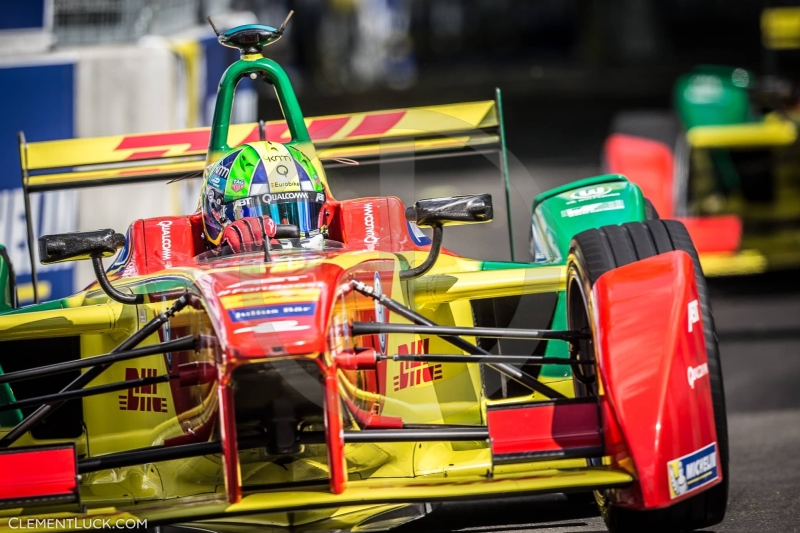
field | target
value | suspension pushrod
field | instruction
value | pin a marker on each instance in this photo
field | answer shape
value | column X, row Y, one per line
column 511, row 359
column 417, row 435
column 154, row 454
column 512, row 372
column 374, row 328
column 90, row 391
column 177, row 345
column 84, row 379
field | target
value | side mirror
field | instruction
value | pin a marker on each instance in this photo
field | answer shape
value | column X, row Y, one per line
column 79, row 245
column 94, row 245
column 440, row 212
column 452, row 210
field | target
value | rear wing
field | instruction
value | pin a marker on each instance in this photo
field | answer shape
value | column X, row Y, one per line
column 373, row 137
column 435, row 131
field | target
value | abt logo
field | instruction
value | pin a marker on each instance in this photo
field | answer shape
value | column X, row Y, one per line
column 414, row 373
column 144, row 398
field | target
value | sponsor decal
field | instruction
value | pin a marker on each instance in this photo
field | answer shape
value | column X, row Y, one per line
column 285, row 184
column 692, row 471
column 593, row 208
column 221, row 170
column 262, row 285
column 276, row 158
column 419, row 238
column 593, row 193
column 380, row 312
column 415, row 373
column 694, row 314
column 269, row 198
column 695, row 373
column 237, row 185
column 371, row 240
column 144, row 398
column 166, row 242
column 216, row 182
column 272, row 311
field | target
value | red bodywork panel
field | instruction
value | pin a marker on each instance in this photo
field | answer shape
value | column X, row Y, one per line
column 650, row 165
column 647, row 163
column 43, row 474
column 714, row 233
column 654, row 374
column 545, row 430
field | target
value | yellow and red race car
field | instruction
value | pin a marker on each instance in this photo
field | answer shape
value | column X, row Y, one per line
column 352, row 381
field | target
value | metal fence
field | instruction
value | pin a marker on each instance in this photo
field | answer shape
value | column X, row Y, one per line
column 78, row 22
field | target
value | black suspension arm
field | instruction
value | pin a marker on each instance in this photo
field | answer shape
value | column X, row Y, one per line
column 177, row 345
column 374, row 328
column 90, row 391
column 78, row 383
column 511, row 359
column 154, row 454
column 512, row 372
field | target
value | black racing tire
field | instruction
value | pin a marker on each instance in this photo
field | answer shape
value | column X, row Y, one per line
column 595, row 252
column 650, row 212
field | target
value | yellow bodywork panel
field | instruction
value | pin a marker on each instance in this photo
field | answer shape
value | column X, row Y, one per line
column 780, row 28
column 772, row 131
column 358, row 493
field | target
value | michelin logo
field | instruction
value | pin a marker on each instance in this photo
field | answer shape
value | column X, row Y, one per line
column 692, row 471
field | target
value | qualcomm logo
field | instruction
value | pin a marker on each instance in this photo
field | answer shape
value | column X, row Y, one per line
column 594, row 192
column 166, row 242
column 370, row 239
column 695, row 373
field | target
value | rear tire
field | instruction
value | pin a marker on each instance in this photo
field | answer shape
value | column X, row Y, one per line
column 595, row 252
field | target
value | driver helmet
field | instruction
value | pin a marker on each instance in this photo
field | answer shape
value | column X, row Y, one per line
column 262, row 179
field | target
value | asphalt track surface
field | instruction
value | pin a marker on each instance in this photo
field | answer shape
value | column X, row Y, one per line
column 758, row 323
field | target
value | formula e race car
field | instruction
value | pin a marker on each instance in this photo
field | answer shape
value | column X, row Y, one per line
column 726, row 161
column 350, row 379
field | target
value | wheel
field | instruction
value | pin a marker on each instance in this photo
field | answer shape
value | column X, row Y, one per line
column 650, row 212
column 593, row 253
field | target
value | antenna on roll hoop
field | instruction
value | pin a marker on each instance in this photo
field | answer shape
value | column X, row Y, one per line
column 286, row 22
column 208, row 18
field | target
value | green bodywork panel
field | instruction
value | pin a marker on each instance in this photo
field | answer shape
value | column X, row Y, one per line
column 561, row 213
column 7, row 418
column 6, row 282
column 713, row 96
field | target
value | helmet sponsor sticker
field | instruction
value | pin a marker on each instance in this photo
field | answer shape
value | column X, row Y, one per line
column 272, row 311
column 237, row 185
column 692, row 471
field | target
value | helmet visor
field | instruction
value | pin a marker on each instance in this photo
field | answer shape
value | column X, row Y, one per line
column 302, row 209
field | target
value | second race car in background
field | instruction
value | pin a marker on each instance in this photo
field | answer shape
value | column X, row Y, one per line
column 726, row 162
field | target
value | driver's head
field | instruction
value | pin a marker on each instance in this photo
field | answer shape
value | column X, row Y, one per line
column 262, row 179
